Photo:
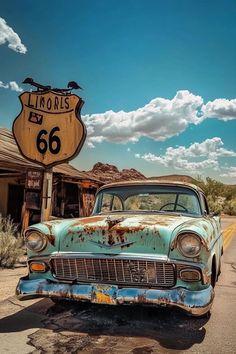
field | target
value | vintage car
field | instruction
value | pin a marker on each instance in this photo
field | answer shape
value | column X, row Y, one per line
column 146, row 242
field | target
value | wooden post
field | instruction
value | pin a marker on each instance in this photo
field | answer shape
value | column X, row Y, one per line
column 47, row 195
column 24, row 217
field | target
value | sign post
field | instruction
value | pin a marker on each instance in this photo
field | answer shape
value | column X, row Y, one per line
column 49, row 131
column 47, row 195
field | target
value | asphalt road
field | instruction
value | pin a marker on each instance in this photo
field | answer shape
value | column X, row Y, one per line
column 39, row 326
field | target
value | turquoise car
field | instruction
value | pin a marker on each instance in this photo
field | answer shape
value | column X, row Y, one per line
column 146, row 242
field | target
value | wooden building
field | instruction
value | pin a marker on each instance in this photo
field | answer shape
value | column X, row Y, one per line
column 21, row 187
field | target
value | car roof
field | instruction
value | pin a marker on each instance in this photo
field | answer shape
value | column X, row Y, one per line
column 152, row 182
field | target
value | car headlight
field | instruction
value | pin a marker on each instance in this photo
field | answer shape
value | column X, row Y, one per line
column 35, row 240
column 189, row 244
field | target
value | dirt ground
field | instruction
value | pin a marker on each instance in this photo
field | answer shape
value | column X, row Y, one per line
column 9, row 279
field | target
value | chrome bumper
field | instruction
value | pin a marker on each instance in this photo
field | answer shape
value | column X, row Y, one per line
column 194, row 302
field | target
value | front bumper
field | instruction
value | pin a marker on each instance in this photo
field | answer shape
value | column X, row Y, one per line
column 194, row 302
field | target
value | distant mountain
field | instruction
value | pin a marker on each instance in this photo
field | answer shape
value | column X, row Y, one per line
column 180, row 178
column 110, row 173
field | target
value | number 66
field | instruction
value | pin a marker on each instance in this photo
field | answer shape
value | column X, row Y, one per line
column 53, row 144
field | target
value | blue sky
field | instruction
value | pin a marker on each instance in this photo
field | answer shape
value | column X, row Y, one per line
column 159, row 78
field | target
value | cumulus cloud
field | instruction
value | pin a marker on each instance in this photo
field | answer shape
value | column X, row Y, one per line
column 15, row 87
column 160, row 119
column 220, row 108
column 206, row 153
column 2, row 85
column 12, row 85
column 230, row 172
column 7, row 35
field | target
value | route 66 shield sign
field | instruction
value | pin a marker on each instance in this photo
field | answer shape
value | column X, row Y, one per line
column 49, row 130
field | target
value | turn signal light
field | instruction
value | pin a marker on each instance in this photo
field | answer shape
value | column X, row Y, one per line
column 38, row 267
column 190, row 275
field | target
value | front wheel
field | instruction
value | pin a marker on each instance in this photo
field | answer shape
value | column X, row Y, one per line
column 60, row 301
column 213, row 274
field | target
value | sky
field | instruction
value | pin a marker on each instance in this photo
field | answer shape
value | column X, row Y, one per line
column 158, row 78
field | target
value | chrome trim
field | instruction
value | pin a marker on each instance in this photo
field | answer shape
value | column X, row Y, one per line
column 28, row 232
column 126, row 272
column 181, row 236
column 191, row 271
column 103, row 245
column 204, row 270
column 141, row 257
column 196, row 303
column 38, row 271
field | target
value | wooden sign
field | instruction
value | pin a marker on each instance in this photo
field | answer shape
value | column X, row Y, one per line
column 33, row 200
column 49, row 130
column 34, row 179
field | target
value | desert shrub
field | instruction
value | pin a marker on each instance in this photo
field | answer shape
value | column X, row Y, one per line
column 10, row 244
column 230, row 207
column 214, row 205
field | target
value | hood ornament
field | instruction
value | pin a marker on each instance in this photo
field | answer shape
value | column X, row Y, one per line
column 108, row 246
column 111, row 222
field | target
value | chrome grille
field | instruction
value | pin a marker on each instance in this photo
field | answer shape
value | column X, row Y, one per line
column 115, row 271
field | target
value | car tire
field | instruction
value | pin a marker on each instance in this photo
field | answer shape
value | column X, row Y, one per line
column 213, row 273
column 219, row 270
column 59, row 301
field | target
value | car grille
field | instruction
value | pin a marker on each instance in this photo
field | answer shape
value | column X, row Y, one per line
column 115, row 271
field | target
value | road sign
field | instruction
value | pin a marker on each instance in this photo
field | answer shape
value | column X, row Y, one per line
column 49, row 130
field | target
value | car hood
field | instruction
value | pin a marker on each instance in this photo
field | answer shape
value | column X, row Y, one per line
column 120, row 233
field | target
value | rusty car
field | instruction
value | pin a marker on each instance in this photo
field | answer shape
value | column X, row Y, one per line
column 146, row 242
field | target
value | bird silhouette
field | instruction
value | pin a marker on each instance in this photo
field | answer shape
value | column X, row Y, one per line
column 73, row 85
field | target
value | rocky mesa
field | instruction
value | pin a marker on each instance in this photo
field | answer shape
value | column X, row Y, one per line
column 110, row 173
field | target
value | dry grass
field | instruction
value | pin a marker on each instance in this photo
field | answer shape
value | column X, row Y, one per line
column 10, row 244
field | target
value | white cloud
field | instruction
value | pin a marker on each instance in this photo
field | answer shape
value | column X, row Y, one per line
column 220, row 108
column 12, row 85
column 8, row 35
column 194, row 158
column 90, row 145
column 15, row 87
column 160, row 119
column 2, row 85
column 231, row 172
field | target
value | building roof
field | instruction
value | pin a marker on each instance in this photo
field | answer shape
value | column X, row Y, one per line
column 11, row 160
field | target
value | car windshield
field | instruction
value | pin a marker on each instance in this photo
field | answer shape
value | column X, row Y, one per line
column 151, row 198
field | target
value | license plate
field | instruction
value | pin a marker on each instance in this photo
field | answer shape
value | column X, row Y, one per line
column 104, row 294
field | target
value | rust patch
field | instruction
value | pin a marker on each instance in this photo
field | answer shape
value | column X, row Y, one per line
column 142, row 299
column 111, row 240
column 51, row 239
column 111, row 222
column 74, row 233
column 50, row 236
column 182, row 295
column 88, row 220
column 49, row 226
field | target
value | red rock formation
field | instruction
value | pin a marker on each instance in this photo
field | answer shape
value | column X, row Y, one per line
column 110, row 173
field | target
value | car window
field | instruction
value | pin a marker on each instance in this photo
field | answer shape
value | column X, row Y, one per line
column 110, row 202
column 190, row 203
column 148, row 198
column 149, row 201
